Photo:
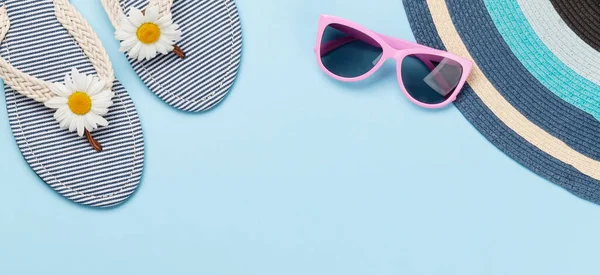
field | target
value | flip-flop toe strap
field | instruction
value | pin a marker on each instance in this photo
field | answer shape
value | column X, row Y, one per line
column 87, row 39
column 164, row 6
column 39, row 90
column 115, row 11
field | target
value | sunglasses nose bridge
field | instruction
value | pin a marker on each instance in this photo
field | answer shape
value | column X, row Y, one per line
column 398, row 55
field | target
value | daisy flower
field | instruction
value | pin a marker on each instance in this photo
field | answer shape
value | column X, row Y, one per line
column 81, row 102
column 145, row 34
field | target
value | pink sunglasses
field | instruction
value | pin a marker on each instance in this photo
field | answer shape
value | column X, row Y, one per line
column 428, row 77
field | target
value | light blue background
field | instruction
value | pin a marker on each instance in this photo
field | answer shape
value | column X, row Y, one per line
column 295, row 173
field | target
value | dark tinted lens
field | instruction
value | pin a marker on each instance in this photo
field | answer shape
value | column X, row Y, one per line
column 347, row 52
column 430, row 79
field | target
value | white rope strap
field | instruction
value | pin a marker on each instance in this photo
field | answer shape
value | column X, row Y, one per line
column 87, row 39
column 164, row 6
column 82, row 32
column 115, row 12
column 24, row 83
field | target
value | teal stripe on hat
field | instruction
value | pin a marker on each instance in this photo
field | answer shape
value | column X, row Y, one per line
column 540, row 61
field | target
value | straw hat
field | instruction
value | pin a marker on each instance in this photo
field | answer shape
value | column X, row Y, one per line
column 535, row 88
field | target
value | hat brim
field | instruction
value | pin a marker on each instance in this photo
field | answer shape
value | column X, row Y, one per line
column 507, row 103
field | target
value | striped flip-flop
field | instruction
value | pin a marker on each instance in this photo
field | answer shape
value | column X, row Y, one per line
column 186, row 51
column 74, row 123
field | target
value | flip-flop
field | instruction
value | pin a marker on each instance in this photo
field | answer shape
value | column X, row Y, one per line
column 74, row 124
column 186, row 51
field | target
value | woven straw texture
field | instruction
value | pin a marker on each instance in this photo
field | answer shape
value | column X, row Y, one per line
column 583, row 16
column 534, row 91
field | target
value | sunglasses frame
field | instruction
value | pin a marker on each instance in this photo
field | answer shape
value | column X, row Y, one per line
column 393, row 48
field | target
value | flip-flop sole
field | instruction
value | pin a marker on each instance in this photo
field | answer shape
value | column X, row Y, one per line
column 39, row 45
column 212, row 42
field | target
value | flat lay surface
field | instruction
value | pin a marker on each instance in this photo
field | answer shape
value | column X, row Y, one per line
column 296, row 173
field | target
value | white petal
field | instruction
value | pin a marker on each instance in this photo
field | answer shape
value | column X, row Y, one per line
column 98, row 120
column 129, row 27
column 126, row 30
column 165, row 41
column 136, row 17
column 69, row 83
column 88, row 122
column 105, row 95
column 75, row 74
column 171, row 28
column 62, row 113
column 103, row 99
column 80, row 126
column 150, row 51
column 80, row 82
column 120, row 34
column 164, row 21
column 125, row 49
column 102, row 102
column 56, row 102
column 171, row 35
column 89, row 80
column 162, row 48
column 99, row 111
column 142, row 53
column 73, row 123
column 97, row 88
column 101, row 108
column 60, row 90
column 170, row 32
column 145, row 52
column 151, row 14
column 134, row 53
column 65, row 90
column 128, row 43
column 65, row 122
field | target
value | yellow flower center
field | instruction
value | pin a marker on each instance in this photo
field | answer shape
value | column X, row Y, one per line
column 148, row 33
column 80, row 103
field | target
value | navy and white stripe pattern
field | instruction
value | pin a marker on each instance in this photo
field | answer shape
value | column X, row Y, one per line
column 212, row 42
column 39, row 45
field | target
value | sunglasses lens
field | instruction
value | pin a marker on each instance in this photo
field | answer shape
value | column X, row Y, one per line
column 430, row 79
column 347, row 52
